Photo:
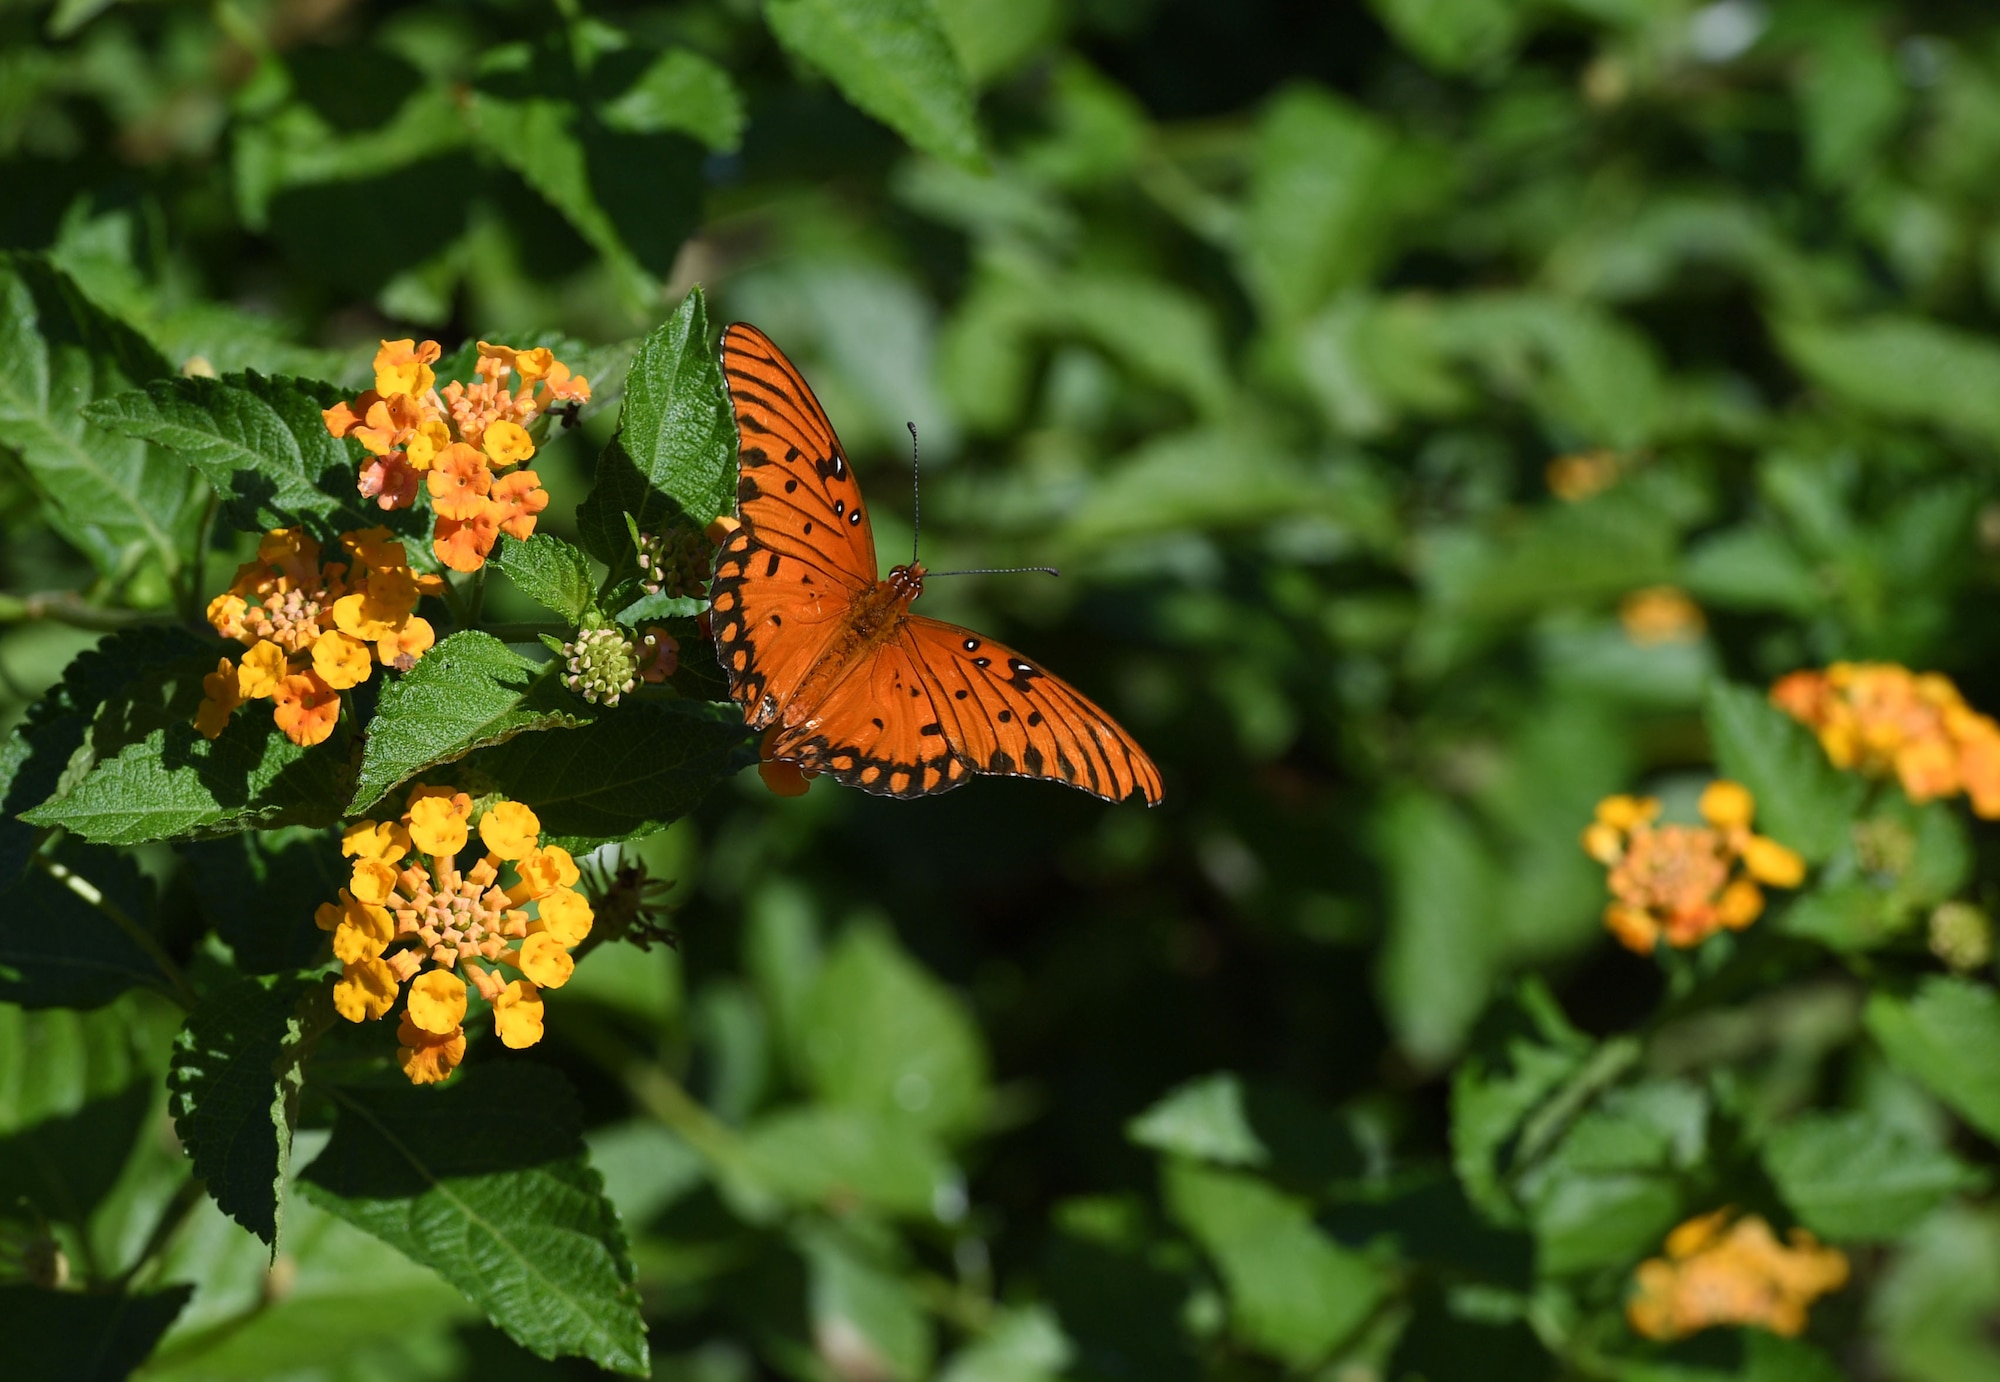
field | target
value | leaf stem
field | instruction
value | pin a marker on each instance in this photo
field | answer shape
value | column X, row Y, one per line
column 69, row 607
column 197, row 571
column 176, row 987
column 187, row 1195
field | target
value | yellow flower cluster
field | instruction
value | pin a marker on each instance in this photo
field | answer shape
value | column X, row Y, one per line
column 313, row 628
column 407, row 903
column 1682, row 883
column 1575, row 478
column 1718, row 1272
column 455, row 441
column 1883, row 720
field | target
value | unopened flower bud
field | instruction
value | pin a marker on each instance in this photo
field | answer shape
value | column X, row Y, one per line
column 1962, row 936
column 600, row 664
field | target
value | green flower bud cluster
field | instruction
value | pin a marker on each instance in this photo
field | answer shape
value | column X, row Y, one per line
column 600, row 664
column 673, row 563
column 1961, row 936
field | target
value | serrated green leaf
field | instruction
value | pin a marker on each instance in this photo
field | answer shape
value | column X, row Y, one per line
column 550, row 572
column 58, row 945
column 469, row 692
column 74, row 1093
column 1851, row 1176
column 486, row 1182
column 674, row 456
column 1801, row 799
column 261, row 442
column 114, row 497
column 1524, row 1052
column 662, row 606
column 1943, row 1035
column 628, row 773
column 892, row 59
column 76, row 1336
column 237, row 1070
column 1293, row 1292
column 1204, row 1120
column 176, row 785
column 821, row 1156
column 878, row 1032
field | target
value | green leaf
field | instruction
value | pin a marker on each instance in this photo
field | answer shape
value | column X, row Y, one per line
column 879, row 1033
column 237, row 1070
column 622, row 775
column 115, row 498
column 1943, row 1035
column 1802, row 800
column 1904, row 369
column 1025, row 1344
column 74, row 1093
column 1316, row 219
column 469, row 692
column 1752, row 568
column 486, row 1182
column 173, row 784
column 261, row 442
column 550, row 572
column 994, row 37
column 674, row 456
column 58, row 946
column 74, row 1336
column 891, row 58
column 1293, row 1292
column 877, row 1320
column 1852, row 1176
column 1523, row 1054
column 825, row 1157
column 1453, row 35
column 1205, row 1120
column 1438, row 963
column 683, row 91
column 259, row 890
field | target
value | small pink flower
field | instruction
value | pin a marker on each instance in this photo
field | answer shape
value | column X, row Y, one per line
column 659, row 655
column 391, row 481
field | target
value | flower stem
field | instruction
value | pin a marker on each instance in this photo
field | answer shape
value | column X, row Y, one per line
column 68, row 607
column 176, row 986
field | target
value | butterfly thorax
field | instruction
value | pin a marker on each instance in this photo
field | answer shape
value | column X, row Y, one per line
column 872, row 621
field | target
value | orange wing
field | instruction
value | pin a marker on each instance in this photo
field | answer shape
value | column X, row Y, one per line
column 786, row 580
column 794, row 487
column 942, row 703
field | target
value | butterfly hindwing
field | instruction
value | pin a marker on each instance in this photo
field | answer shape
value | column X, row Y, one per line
column 1005, row 715
column 795, row 490
column 879, row 729
column 772, row 617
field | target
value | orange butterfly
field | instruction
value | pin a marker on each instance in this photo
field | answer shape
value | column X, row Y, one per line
column 830, row 659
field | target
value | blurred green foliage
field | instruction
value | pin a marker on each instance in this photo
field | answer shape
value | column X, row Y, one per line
column 1263, row 319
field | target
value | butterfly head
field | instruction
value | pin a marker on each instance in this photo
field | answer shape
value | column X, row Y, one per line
column 908, row 580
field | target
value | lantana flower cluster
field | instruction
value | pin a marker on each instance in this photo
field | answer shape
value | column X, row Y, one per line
column 411, row 925
column 1884, row 720
column 1722, row 1270
column 313, row 628
column 1683, row 883
column 460, row 443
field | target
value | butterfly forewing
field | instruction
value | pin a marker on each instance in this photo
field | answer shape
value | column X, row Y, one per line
column 795, row 491
column 773, row 617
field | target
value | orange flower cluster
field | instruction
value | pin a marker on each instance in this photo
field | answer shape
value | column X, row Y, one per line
column 1661, row 614
column 407, row 903
column 313, row 628
column 1575, row 478
column 1682, row 883
column 1716, row 1272
column 1883, row 720
column 457, row 441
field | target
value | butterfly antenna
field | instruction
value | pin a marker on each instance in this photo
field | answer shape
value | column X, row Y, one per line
column 998, row 571
column 916, row 495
